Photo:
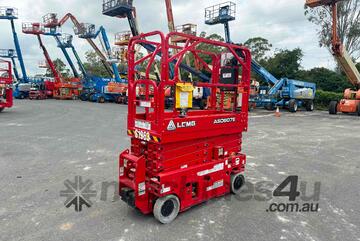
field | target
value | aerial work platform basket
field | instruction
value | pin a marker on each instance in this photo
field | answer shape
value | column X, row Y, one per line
column 33, row 28
column 8, row 53
column 85, row 30
column 50, row 20
column 220, row 13
column 189, row 29
column 175, row 162
column 8, row 13
column 42, row 64
column 122, row 38
column 117, row 8
column 66, row 40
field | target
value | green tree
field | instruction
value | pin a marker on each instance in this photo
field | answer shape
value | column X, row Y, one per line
column 259, row 47
column 60, row 67
column 325, row 79
column 94, row 66
column 348, row 25
column 284, row 63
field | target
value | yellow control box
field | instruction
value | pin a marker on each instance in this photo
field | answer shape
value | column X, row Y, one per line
column 184, row 95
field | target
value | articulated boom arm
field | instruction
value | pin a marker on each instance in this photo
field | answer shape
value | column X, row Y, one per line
column 339, row 51
column 109, row 52
column 49, row 61
column 66, row 54
column 266, row 75
column 50, row 20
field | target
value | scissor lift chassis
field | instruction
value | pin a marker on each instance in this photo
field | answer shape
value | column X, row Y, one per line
column 185, row 159
column 6, row 91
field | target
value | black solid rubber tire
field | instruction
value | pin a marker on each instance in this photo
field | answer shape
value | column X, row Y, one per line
column 270, row 107
column 293, row 107
column 166, row 209
column 310, row 105
column 333, row 107
column 101, row 100
column 237, row 182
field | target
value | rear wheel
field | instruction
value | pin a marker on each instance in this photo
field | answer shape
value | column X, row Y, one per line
column 166, row 209
column 119, row 100
column 101, row 99
column 237, row 182
column 83, row 97
column 310, row 105
column 90, row 97
column 1, row 109
column 293, row 106
column 333, row 108
column 358, row 109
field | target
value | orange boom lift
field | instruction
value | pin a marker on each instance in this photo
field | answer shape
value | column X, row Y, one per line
column 351, row 101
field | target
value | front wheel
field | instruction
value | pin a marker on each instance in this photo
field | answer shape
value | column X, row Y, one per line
column 270, row 106
column 166, row 209
column 333, row 108
column 293, row 106
column 310, row 105
column 237, row 182
column 358, row 109
column 1, row 109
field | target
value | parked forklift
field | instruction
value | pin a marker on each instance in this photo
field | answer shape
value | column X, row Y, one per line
column 6, row 81
column 284, row 92
column 351, row 101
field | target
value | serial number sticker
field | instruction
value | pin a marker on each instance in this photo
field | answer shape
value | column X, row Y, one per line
column 143, row 124
column 216, row 168
column 146, row 104
column 227, row 75
column 215, row 185
column 165, row 190
column 142, row 135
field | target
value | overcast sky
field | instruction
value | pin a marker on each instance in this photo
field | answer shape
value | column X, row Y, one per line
column 282, row 22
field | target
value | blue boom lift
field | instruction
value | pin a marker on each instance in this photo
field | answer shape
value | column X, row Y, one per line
column 284, row 92
column 101, row 91
column 22, row 87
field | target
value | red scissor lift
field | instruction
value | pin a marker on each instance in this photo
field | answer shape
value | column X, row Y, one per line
column 6, row 81
column 184, row 157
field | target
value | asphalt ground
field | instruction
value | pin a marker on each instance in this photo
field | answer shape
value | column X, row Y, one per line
column 44, row 143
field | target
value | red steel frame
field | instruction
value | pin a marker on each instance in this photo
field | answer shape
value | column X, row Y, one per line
column 163, row 160
column 6, row 84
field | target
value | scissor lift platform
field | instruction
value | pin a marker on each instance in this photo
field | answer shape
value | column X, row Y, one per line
column 6, row 92
column 175, row 162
